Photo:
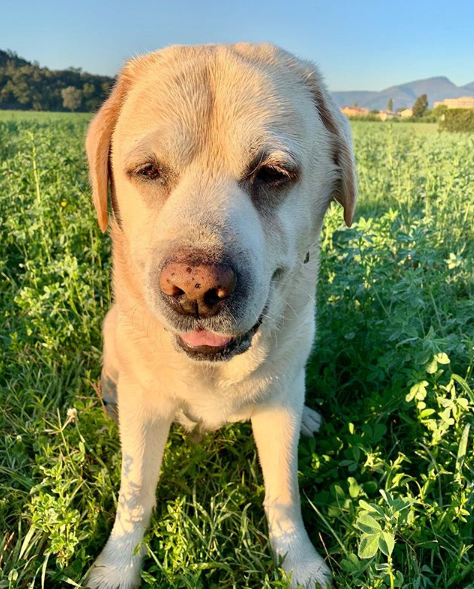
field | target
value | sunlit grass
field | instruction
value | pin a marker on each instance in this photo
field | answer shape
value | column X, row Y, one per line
column 392, row 374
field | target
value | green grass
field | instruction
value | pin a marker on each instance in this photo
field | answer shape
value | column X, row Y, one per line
column 387, row 485
column 41, row 116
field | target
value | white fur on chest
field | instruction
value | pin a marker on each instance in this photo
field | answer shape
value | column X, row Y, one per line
column 213, row 402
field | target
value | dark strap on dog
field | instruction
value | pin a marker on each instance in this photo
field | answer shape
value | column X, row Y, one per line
column 109, row 394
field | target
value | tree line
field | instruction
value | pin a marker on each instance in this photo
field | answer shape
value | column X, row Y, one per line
column 27, row 86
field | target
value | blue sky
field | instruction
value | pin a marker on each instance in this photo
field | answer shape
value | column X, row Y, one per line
column 359, row 45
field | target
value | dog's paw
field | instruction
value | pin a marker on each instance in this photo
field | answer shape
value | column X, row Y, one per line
column 311, row 422
column 301, row 563
column 106, row 575
column 309, row 574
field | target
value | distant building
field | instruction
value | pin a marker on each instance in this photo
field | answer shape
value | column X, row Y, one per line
column 387, row 114
column 406, row 113
column 355, row 111
column 463, row 102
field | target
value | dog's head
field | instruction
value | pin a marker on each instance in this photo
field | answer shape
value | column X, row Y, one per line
column 221, row 162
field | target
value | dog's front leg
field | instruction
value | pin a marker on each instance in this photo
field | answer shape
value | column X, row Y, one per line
column 143, row 438
column 276, row 428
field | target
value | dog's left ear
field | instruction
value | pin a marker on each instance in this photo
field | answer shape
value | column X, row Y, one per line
column 337, row 124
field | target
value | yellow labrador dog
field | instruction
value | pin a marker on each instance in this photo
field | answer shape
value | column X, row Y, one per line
column 221, row 161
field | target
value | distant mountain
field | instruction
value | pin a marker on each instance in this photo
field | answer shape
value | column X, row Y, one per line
column 404, row 95
column 28, row 86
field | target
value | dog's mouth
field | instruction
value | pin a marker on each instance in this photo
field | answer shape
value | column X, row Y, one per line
column 202, row 344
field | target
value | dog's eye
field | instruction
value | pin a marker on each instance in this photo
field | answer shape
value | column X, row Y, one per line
column 271, row 175
column 150, row 172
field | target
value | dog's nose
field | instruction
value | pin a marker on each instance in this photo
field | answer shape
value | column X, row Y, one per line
column 197, row 289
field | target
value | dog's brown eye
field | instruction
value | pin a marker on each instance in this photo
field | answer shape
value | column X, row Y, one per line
column 271, row 175
column 150, row 172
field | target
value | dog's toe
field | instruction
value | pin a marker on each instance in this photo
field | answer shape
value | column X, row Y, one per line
column 313, row 575
column 310, row 422
column 103, row 576
column 306, row 568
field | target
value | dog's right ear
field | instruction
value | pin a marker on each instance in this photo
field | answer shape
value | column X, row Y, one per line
column 98, row 145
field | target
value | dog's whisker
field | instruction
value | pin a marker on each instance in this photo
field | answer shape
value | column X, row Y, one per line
column 295, row 286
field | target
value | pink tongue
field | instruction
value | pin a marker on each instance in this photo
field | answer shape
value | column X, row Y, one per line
column 202, row 337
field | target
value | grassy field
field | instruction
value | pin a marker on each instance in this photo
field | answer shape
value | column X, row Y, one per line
column 387, row 486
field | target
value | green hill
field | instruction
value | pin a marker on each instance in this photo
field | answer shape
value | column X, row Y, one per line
column 28, row 86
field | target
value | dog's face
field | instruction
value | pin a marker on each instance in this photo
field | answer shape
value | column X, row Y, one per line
column 222, row 162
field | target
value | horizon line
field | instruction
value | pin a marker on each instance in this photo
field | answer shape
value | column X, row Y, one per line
column 32, row 61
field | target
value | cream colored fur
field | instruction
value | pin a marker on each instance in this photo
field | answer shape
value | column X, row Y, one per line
column 202, row 111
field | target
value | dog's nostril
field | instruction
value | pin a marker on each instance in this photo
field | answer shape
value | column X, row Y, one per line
column 212, row 297
column 173, row 290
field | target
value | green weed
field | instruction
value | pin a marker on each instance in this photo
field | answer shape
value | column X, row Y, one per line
column 387, row 485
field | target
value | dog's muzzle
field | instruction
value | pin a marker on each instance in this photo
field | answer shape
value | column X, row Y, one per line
column 203, row 295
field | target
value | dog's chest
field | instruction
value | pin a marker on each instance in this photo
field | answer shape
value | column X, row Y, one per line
column 210, row 412
column 210, row 407
column 210, row 419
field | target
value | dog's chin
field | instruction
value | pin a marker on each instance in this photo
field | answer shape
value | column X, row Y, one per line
column 238, row 344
